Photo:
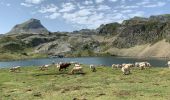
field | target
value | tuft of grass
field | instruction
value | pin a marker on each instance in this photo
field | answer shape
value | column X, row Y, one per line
column 105, row 84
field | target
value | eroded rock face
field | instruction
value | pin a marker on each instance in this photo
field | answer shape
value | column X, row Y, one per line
column 30, row 26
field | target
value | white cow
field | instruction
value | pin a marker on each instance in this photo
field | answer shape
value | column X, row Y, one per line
column 168, row 64
column 126, row 69
column 44, row 67
column 143, row 65
column 116, row 66
column 77, row 69
column 93, row 68
column 14, row 69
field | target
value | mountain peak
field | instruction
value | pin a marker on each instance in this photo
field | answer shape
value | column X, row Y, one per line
column 31, row 26
column 34, row 20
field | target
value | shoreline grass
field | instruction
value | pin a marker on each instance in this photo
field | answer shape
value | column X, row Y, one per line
column 105, row 84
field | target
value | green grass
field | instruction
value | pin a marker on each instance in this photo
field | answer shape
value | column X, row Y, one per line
column 105, row 84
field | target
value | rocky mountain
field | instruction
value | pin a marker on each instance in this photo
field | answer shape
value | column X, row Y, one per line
column 138, row 31
column 31, row 26
column 137, row 37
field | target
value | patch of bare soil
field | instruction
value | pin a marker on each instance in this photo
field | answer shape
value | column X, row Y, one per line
column 122, row 93
column 100, row 94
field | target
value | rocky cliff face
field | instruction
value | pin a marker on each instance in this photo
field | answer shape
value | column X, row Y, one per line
column 138, row 31
column 30, row 26
column 134, row 37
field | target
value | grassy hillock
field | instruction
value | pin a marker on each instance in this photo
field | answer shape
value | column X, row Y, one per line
column 105, row 84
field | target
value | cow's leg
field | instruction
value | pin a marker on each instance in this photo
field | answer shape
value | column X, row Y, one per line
column 72, row 71
column 59, row 69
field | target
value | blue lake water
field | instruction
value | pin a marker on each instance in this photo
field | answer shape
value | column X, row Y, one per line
column 108, row 61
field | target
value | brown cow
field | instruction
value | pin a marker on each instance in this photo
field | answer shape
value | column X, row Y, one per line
column 63, row 66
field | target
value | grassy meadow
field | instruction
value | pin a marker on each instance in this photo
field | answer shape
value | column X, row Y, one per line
column 105, row 84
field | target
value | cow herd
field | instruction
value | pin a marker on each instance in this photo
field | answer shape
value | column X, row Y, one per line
column 125, row 68
column 78, row 68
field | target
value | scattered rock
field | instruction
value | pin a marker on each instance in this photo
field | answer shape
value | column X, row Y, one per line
column 64, row 90
column 121, row 93
column 100, row 94
column 131, row 82
column 156, row 84
column 7, row 95
column 37, row 94
column 79, row 99
column 29, row 90
column 141, row 95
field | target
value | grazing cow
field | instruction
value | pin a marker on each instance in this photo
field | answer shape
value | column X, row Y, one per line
column 93, row 68
column 63, row 66
column 116, row 66
column 137, row 64
column 142, row 65
column 148, row 64
column 129, row 64
column 126, row 69
column 44, row 67
column 77, row 69
column 113, row 66
column 168, row 64
column 14, row 69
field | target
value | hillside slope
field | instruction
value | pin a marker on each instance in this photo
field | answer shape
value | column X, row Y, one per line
column 136, row 37
column 159, row 49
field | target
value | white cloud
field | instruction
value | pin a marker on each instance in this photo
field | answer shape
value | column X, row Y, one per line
column 92, row 21
column 158, row 4
column 5, row 4
column 138, row 13
column 49, row 8
column 8, row 4
column 93, row 13
column 53, row 16
column 103, row 7
column 113, row 0
column 114, row 11
column 26, row 4
column 66, row 7
column 123, row 1
column 34, row 1
column 83, row 12
column 126, row 11
column 143, row 2
column 99, row 1
column 77, row 14
column 88, row 2
column 127, row 7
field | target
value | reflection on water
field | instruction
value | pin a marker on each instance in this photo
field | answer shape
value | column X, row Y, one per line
column 84, row 60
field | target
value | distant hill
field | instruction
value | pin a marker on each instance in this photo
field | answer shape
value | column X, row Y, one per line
column 135, row 37
column 30, row 26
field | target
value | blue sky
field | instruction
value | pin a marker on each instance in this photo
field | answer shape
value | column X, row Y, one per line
column 69, row 15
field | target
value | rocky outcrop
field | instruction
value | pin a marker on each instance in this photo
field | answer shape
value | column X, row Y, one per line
column 31, row 26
